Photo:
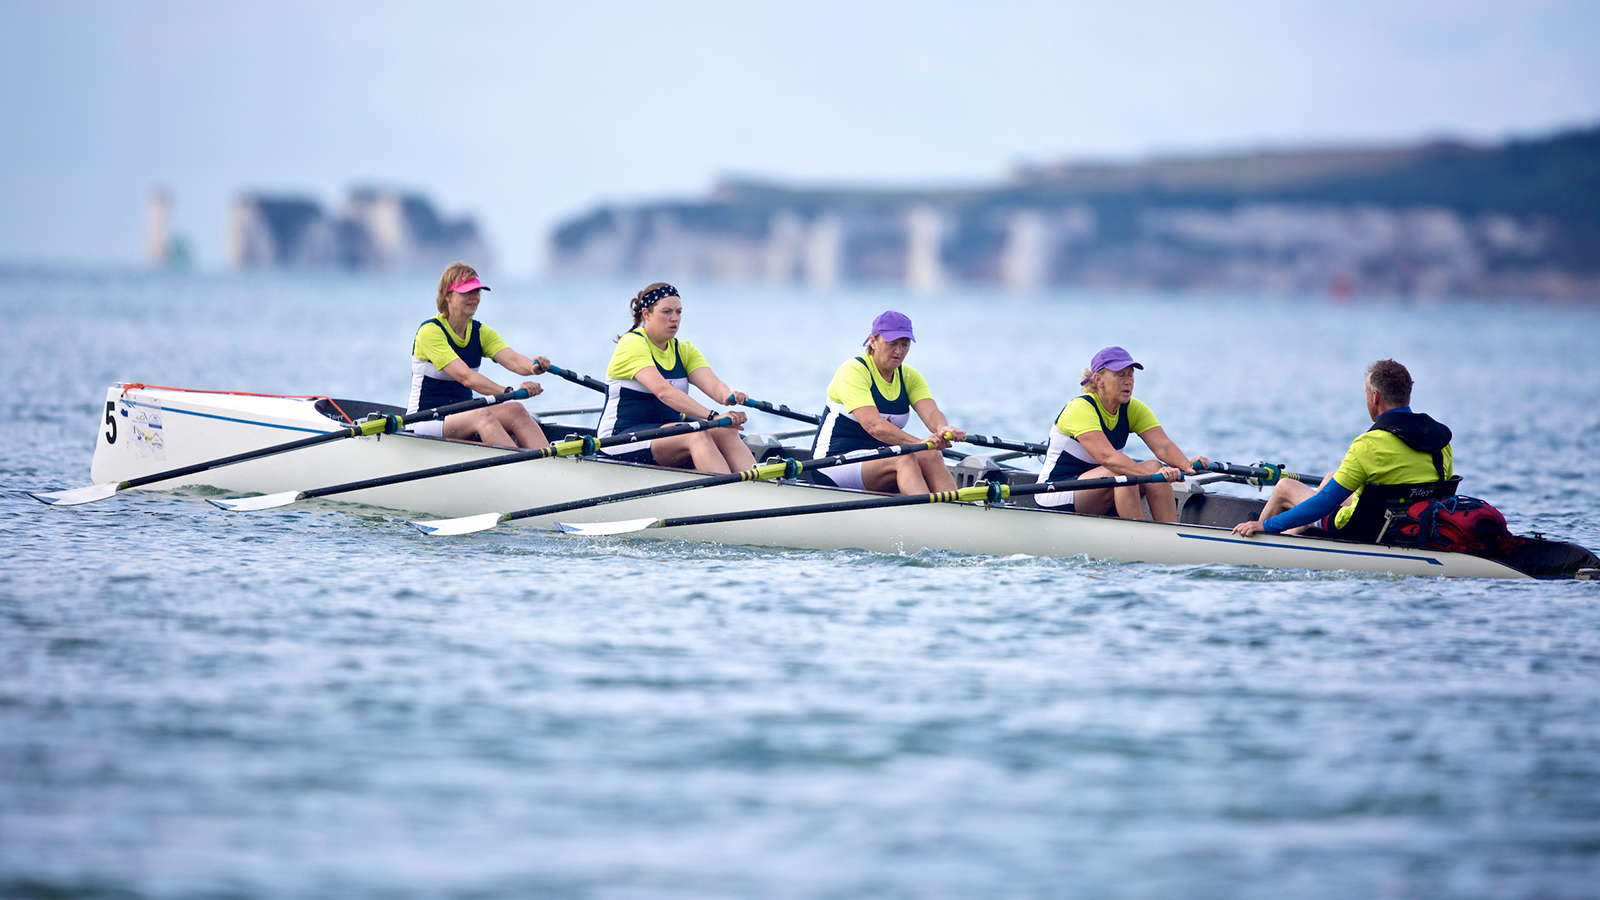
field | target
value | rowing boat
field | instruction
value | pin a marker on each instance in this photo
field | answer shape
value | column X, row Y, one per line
column 147, row 430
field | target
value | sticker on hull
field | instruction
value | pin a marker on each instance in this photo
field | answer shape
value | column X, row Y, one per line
column 143, row 421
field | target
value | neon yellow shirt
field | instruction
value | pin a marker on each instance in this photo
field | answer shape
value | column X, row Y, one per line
column 432, row 345
column 1378, row 457
column 634, row 353
column 1079, row 416
column 852, row 385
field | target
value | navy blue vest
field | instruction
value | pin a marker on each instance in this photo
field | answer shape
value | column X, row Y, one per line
column 443, row 390
column 1069, row 466
column 845, row 434
column 639, row 408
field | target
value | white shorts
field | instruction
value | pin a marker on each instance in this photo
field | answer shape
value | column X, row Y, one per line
column 1054, row 500
column 846, row 476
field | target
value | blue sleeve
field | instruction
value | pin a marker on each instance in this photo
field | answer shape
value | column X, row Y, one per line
column 1323, row 502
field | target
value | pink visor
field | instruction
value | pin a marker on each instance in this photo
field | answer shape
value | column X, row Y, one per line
column 468, row 286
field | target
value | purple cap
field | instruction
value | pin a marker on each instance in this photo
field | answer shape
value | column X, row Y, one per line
column 468, row 286
column 891, row 326
column 1113, row 358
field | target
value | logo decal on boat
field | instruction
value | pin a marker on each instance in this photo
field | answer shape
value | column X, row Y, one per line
column 144, row 427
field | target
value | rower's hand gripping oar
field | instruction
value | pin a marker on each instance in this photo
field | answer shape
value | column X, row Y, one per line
column 576, row 447
column 992, row 492
column 387, row 424
column 786, row 468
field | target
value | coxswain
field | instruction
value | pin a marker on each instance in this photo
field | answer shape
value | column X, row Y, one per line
column 445, row 355
column 1087, row 438
column 1401, row 448
column 647, row 386
column 870, row 401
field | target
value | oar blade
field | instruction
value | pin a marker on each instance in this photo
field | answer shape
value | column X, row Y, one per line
column 594, row 529
column 250, row 504
column 463, row 525
column 77, row 496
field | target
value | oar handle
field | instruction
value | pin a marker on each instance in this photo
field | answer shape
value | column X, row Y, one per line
column 575, row 378
column 784, row 411
column 1003, row 444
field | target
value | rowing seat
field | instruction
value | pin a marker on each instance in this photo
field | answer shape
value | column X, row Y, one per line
column 1381, row 502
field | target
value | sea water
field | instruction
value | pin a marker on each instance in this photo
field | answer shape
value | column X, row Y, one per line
column 321, row 702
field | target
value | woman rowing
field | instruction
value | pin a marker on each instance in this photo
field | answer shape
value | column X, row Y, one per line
column 445, row 356
column 1087, row 438
column 870, row 401
column 648, row 386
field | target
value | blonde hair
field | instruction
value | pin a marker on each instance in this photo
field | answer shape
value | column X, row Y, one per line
column 455, row 273
column 1086, row 380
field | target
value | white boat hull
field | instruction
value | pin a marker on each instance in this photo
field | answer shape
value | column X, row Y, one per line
column 161, row 429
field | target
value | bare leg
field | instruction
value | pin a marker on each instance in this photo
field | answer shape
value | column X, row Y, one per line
column 735, row 454
column 895, row 475
column 1098, row 501
column 1163, row 506
column 934, row 473
column 514, row 418
column 1285, row 495
column 696, row 449
column 479, row 425
column 1128, row 501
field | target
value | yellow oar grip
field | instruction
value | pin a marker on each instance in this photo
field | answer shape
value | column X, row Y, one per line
column 770, row 470
column 373, row 426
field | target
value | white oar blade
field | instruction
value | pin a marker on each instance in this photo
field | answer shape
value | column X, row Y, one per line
column 626, row 526
column 249, row 504
column 463, row 525
column 77, row 496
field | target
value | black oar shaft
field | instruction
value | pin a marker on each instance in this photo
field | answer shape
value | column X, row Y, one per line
column 759, row 473
column 374, row 426
column 1003, row 444
column 590, row 383
column 784, row 411
column 565, row 448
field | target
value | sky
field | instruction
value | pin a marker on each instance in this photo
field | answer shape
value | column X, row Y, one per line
column 524, row 114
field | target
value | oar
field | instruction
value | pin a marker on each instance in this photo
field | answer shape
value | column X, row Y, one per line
column 784, row 411
column 788, row 468
column 565, row 448
column 1265, row 473
column 992, row 492
column 590, row 383
column 1022, row 448
column 388, row 424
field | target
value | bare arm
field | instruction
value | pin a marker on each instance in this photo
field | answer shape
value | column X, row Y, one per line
column 1115, row 461
column 938, row 426
column 714, row 387
column 463, row 373
column 1166, row 451
column 676, row 399
column 522, row 365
